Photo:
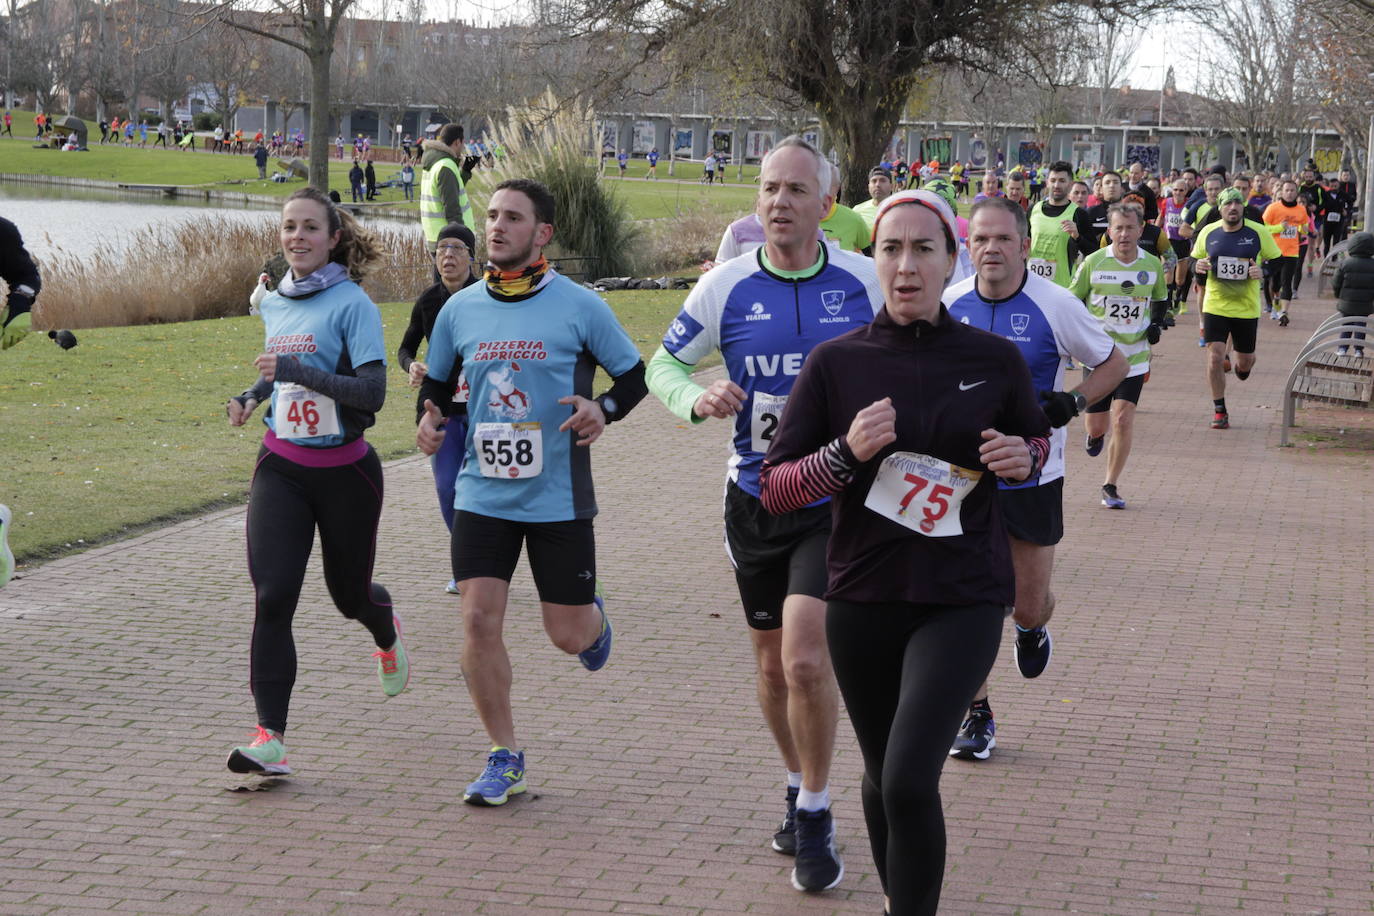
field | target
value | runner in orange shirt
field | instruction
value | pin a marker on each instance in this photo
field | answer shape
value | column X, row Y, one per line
column 1291, row 218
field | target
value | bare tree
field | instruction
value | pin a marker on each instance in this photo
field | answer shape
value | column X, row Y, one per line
column 854, row 64
column 226, row 65
column 1260, row 87
column 310, row 27
column 1344, row 74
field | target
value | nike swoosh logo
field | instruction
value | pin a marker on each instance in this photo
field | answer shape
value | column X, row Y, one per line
column 963, row 387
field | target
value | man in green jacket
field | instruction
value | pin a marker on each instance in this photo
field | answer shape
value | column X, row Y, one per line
column 443, row 199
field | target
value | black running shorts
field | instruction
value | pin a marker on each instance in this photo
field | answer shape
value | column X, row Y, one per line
column 1242, row 331
column 1128, row 390
column 562, row 554
column 1034, row 514
column 774, row 555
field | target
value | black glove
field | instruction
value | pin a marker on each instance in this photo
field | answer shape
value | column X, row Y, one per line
column 1059, row 407
column 1152, row 333
column 471, row 162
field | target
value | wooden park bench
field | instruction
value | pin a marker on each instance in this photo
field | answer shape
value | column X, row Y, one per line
column 1321, row 375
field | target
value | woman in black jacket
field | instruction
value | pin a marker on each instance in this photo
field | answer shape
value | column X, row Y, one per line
column 1354, row 285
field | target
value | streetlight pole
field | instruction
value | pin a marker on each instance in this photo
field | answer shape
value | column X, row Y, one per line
column 1369, row 178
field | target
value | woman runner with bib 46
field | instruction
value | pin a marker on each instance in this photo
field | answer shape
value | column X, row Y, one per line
column 323, row 376
column 907, row 423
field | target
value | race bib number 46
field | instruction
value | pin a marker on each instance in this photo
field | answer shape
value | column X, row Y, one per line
column 300, row 413
column 764, row 419
column 510, row 451
column 1041, row 267
column 922, row 493
column 1233, row 268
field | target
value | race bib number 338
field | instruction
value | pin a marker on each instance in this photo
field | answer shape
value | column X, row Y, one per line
column 511, row 451
column 922, row 493
column 1233, row 268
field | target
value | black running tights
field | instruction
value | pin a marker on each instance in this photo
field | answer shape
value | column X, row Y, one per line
column 908, row 674
column 286, row 504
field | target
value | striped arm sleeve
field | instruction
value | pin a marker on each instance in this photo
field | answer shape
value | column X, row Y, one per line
column 792, row 485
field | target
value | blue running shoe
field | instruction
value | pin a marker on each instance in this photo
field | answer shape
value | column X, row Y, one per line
column 1033, row 648
column 1110, row 498
column 503, row 777
column 595, row 656
column 1093, row 445
column 819, row 867
column 976, row 738
column 785, row 839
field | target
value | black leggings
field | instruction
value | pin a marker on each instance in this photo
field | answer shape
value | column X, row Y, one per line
column 1285, row 271
column 908, row 674
column 286, row 504
column 1297, row 272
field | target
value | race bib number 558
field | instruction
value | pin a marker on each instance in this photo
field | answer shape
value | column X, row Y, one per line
column 511, row 451
column 922, row 493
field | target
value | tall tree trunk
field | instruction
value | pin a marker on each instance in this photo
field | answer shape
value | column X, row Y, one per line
column 859, row 126
column 321, row 50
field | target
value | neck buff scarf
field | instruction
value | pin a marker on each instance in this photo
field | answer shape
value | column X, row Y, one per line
column 516, row 284
column 322, row 279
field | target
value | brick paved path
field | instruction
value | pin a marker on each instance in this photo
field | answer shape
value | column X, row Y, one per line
column 1200, row 744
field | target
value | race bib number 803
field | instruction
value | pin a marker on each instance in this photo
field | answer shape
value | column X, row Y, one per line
column 921, row 493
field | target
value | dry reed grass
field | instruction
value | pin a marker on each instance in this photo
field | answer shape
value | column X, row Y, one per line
column 673, row 243
column 200, row 269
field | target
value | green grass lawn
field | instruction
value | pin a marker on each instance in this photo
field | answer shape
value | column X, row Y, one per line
column 157, row 165
column 128, row 428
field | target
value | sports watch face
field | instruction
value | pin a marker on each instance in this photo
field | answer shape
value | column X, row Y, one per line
column 609, row 405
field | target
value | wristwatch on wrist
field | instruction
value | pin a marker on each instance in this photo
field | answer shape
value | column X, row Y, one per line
column 608, row 406
column 1080, row 403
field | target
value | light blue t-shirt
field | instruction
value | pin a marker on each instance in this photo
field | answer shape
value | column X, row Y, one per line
column 519, row 358
column 335, row 330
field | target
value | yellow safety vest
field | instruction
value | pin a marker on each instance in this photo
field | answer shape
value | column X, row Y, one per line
column 432, row 218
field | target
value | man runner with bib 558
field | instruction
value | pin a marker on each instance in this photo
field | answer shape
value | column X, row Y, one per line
column 765, row 312
column 528, row 341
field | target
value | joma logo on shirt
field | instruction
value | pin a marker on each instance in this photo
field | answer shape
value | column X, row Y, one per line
column 787, row 363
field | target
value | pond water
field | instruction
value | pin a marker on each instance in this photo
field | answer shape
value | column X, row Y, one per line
column 84, row 220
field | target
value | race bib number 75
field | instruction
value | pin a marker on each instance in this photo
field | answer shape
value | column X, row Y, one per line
column 921, row 493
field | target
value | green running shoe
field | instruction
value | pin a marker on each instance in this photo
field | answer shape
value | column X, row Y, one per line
column 393, row 668
column 266, row 755
column 6, row 555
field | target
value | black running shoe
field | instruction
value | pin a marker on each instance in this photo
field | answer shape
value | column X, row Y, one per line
column 1093, row 445
column 976, row 737
column 818, row 865
column 785, row 840
column 1033, row 649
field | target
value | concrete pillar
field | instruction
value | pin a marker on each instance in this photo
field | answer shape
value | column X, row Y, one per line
column 269, row 117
